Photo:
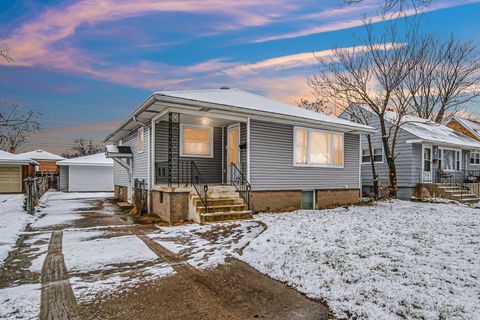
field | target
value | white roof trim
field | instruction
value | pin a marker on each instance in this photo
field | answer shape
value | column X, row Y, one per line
column 172, row 98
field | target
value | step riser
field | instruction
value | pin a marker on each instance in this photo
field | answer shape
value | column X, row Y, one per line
column 226, row 209
column 218, row 202
column 227, row 217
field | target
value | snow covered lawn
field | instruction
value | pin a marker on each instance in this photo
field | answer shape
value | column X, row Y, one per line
column 393, row 260
column 13, row 220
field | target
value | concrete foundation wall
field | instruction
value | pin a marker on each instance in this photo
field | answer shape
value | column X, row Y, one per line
column 275, row 201
column 333, row 198
column 172, row 207
column 121, row 193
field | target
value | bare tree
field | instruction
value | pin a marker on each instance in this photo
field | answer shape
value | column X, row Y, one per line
column 359, row 114
column 372, row 75
column 16, row 123
column 316, row 105
column 446, row 79
column 397, row 5
column 83, row 147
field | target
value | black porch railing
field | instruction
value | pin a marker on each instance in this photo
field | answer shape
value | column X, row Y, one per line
column 180, row 173
column 183, row 173
column 200, row 185
column 465, row 183
column 241, row 184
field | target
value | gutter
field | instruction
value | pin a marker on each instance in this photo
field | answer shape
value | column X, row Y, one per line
column 444, row 144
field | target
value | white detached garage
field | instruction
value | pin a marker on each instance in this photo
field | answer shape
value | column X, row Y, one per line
column 88, row 173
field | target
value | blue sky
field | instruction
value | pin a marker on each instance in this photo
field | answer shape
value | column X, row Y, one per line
column 87, row 64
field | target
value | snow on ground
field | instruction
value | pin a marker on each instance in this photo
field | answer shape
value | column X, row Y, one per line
column 208, row 245
column 13, row 220
column 21, row 302
column 393, row 260
column 87, row 250
column 87, row 290
column 60, row 207
column 102, row 263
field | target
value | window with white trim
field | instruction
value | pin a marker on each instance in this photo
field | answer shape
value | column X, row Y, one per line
column 377, row 155
column 141, row 139
column 318, row 148
column 196, row 141
column 450, row 159
column 475, row 158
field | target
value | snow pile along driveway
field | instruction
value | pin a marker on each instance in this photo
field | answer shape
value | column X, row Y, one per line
column 394, row 260
column 13, row 220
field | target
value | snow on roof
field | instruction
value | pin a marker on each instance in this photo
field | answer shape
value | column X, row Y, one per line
column 41, row 155
column 10, row 158
column 431, row 131
column 246, row 100
column 472, row 126
column 98, row 159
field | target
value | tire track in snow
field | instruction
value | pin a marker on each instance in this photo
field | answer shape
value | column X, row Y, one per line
column 58, row 300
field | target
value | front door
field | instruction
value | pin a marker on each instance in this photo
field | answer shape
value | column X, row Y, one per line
column 233, row 150
column 426, row 164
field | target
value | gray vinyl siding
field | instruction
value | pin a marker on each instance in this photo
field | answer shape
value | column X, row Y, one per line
column 140, row 159
column 63, row 176
column 408, row 159
column 210, row 168
column 271, row 161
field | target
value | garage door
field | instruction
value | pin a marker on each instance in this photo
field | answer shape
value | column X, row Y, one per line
column 10, row 179
column 90, row 178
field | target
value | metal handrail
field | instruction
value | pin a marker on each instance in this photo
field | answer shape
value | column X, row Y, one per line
column 242, row 185
column 200, row 185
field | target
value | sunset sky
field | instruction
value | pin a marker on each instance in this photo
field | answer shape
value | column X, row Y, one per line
column 87, row 64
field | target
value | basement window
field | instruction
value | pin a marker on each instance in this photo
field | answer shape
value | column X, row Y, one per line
column 308, row 200
column 196, row 141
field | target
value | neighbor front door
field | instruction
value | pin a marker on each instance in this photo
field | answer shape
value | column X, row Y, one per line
column 233, row 150
column 426, row 164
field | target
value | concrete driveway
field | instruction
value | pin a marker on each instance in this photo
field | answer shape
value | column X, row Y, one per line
column 80, row 259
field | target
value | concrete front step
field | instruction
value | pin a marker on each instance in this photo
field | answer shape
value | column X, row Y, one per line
column 222, row 208
column 469, row 200
column 226, row 216
column 463, row 195
column 218, row 201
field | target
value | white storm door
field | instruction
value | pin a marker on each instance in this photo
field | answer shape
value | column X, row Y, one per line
column 233, row 149
column 426, row 164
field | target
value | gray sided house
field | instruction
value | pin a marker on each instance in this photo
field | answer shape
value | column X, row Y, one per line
column 209, row 155
column 427, row 154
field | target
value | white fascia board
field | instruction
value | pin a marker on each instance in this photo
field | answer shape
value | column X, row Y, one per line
column 443, row 144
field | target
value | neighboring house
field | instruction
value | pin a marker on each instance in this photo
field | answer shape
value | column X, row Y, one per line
column 13, row 170
column 47, row 165
column 47, row 161
column 467, row 127
column 205, row 154
column 88, row 173
column 426, row 153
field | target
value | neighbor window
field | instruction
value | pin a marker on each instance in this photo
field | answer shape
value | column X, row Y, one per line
column 318, row 148
column 450, row 159
column 475, row 158
column 196, row 141
column 141, row 139
column 377, row 155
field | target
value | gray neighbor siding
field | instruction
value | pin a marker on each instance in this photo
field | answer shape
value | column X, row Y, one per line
column 140, row 159
column 210, row 168
column 408, row 159
column 271, row 162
